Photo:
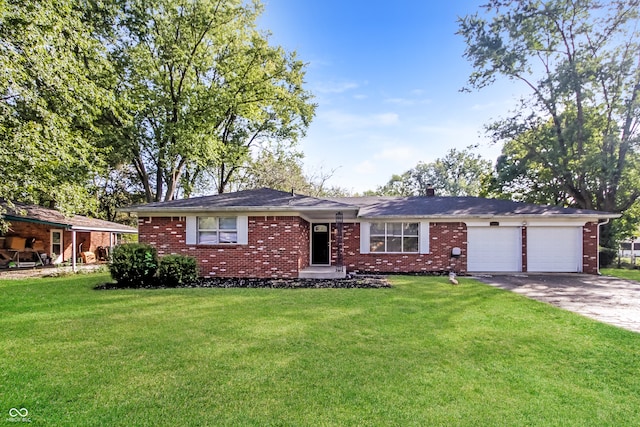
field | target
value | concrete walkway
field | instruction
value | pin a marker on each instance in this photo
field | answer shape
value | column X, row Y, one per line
column 607, row 299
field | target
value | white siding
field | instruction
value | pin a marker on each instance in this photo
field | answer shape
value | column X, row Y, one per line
column 494, row 249
column 424, row 237
column 192, row 230
column 554, row 249
column 242, row 223
column 364, row 237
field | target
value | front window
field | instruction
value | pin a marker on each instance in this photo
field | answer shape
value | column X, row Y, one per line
column 394, row 237
column 217, row 230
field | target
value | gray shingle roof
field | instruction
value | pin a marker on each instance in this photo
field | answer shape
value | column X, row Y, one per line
column 371, row 207
column 260, row 199
column 367, row 207
column 39, row 214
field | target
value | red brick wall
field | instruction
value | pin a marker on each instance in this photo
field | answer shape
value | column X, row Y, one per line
column 91, row 241
column 278, row 246
column 590, row 248
column 43, row 232
column 443, row 236
column 304, row 240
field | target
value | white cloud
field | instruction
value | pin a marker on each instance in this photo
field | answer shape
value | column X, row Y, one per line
column 399, row 154
column 365, row 167
column 342, row 121
column 387, row 119
column 453, row 130
column 407, row 101
column 483, row 107
column 334, row 87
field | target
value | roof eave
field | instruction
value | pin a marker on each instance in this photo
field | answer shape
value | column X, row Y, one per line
column 239, row 209
column 104, row 229
column 499, row 216
column 10, row 218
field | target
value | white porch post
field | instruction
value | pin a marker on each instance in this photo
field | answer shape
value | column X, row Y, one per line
column 73, row 251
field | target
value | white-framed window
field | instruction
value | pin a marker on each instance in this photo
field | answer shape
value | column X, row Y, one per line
column 217, row 230
column 394, row 237
column 56, row 249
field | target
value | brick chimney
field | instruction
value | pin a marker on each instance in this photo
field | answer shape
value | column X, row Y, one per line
column 430, row 191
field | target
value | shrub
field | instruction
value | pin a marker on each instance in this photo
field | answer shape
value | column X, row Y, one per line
column 133, row 264
column 177, row 270
column 607, row 256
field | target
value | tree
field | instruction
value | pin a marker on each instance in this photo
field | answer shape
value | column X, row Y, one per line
column 459, row 173
column 574, row 140
column 205, row 89
column 51, row 93
column 281, row 168
column 278, row 168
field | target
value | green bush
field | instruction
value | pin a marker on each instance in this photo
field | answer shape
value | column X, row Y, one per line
column 133, row 264
column 607, row 257
column 177, row 270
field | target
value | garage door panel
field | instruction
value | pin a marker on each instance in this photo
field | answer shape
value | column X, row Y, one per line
column 554, row 249
column 494, row 249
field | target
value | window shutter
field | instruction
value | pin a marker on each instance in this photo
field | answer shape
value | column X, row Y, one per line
column 242, row 224
column 192, row 230
column 364, row 237
column 424, row 237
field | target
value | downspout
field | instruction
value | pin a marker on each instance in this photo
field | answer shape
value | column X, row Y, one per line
column 598, row 248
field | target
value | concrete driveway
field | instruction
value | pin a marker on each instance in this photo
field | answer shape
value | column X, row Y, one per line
column 607, row 299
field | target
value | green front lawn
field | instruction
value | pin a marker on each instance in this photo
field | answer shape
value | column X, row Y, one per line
column 622, row 273
column 421, row 353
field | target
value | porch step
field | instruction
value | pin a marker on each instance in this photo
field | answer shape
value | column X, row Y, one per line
column 322, row 272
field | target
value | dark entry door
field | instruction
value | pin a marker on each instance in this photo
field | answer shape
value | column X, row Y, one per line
column 320, row 244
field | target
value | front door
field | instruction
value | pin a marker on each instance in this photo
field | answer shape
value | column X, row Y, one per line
column 320, row 244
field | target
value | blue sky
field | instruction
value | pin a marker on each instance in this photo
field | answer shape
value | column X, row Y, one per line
column 386, row 77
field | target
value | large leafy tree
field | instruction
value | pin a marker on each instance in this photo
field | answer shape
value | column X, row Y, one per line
column 205, row 90
column 574, row 140
column 281, row 168
column 52, row 89
column 459, row 173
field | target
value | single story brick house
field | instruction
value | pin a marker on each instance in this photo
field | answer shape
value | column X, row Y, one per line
column 38, row 235
column 269, row 233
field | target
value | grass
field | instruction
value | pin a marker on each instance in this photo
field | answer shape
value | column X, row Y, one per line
column 622, row 273
column 421, row 353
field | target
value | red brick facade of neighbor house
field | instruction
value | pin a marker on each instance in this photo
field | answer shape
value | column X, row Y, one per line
column 278, row 246
column 42, row 233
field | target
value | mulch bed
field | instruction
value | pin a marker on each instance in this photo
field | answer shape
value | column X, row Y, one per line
column 367, row 282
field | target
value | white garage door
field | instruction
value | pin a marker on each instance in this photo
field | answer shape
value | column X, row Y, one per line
column 554, row 249
column 494, row 249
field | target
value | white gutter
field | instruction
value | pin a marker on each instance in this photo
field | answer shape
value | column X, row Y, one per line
column 487, row 217
column 111, row 230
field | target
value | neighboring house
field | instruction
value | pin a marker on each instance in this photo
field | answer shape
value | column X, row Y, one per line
column 269, row 233
column 37, row 232
column 630, row 248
